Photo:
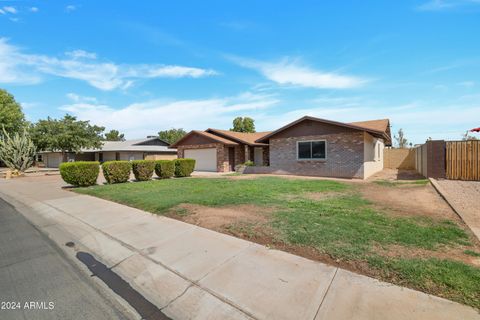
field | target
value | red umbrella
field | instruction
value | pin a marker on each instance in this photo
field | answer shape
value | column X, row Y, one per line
column 475, row 129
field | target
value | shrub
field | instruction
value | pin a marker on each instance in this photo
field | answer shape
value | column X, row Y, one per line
column 116, row 171
column 17, row 150
column 143, row 169
column 81, row 173
column 165, row 169
column 184, row 167
column 249, row 163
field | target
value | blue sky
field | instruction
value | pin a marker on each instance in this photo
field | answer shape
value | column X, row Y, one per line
column 141, row 67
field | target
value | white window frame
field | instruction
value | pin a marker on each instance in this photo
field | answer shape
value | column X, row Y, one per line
column 312, row 159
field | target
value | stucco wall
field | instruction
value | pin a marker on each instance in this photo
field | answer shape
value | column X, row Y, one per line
column 345, row 154
column 373, row 155
column 399, row 158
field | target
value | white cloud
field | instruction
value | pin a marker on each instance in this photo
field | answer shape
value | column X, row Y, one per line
column 442, row 5
column 78, row 98
column 10, row 9
column 169, row 71
column 81, row 65
column 70, row 8
column 33, row 9
column 291, row 72
column 79, row 54
column 141, row 119
column 11, row 67
column 2, row 12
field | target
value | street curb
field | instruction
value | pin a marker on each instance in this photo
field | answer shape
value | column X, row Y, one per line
column 22, row 207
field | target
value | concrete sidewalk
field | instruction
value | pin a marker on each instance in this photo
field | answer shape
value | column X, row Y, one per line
column 194, row 273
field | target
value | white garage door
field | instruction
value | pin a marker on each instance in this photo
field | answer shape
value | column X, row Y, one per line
column 205, row 159
column 53, row 160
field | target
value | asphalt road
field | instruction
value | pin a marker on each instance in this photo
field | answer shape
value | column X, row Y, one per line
column 37, row 281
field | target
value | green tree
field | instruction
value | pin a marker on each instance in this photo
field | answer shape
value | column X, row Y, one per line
column 114, row 135
column 66, row 135
column 172, row 135
column 17, row 150
column 402, row 142
column 245, row 124
column 11, row 115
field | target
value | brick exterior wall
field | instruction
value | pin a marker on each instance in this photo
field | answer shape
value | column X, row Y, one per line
column 266, row 156
column 239, row 154
column 345, row 154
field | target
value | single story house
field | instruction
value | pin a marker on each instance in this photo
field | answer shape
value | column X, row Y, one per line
column 152, row 148
column 222, row 150
column 308, row 146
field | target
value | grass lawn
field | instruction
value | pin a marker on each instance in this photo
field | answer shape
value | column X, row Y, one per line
column 330, row 218
column 389, row 183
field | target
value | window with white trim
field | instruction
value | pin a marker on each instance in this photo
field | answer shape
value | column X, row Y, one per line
column 312, row 150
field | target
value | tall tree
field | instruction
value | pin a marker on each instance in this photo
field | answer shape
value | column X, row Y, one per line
column 172, row 135
column 17, row 150
column 11, row 115
column 245, row 124
column 402, row 142
column 114, row 135
column 66, row 135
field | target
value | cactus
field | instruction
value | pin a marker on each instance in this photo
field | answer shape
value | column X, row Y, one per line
column 17, row 151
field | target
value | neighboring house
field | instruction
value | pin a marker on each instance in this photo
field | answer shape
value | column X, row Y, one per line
column 222, row 150
column 307, row 146
column 150, row 148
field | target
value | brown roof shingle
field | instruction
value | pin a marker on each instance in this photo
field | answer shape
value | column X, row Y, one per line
column 205, row 134
column 242, row 137
column 378, row 125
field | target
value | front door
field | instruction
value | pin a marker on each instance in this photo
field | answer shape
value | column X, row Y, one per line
column 231, row 158
column 258, row 156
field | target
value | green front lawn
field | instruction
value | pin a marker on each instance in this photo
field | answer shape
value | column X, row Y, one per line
column 342, row 226
column 389, row 183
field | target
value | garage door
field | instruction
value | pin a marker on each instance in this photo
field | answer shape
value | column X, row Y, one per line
column 205, row 159
column 53, row 160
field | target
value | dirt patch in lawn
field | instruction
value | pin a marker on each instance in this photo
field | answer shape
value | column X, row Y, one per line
column 315, row 196
column 217, row 217
column 409, row 200
column 396, row 175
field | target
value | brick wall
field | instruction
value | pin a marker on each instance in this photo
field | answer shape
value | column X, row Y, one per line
column 239, row 154
column 344, row 155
